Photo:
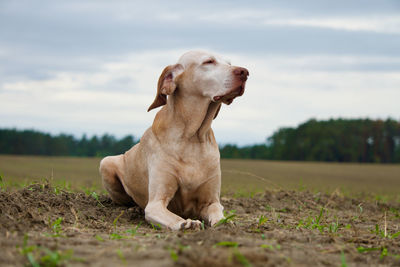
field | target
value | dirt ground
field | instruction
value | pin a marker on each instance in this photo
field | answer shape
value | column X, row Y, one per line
column 46, row 225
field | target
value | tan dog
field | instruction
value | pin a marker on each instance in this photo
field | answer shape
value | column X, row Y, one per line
column 175, row 169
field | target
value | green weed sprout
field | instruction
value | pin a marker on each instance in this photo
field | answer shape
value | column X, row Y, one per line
column 343, row 259
column 121, row 256
column 241, row 258
column 226, row 244
column 156, row 226
column 56, row 227
column 173, row 254
column 133, row 231
column 228, row 218
column 262, row 220
column 384, row 234
column 42, row 256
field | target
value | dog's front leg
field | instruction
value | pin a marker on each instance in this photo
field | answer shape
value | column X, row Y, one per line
column 161, row 191
column 213, row 213
column 157, row 213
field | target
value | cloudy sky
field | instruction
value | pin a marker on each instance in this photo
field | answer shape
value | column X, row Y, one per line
column 92, row 66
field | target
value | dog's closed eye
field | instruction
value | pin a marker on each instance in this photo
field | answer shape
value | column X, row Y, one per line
column 209, row 61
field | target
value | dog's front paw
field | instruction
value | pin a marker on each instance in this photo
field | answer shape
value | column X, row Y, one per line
column 215, row 218
column 190, row 224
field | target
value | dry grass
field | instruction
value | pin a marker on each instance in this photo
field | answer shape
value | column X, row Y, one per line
column 78, row 172
column 240, row 176
column 349, row 178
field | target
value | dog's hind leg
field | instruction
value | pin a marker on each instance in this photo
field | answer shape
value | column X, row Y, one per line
column 112, row 171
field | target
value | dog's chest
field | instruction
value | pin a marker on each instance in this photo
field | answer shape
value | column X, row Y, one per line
column 191, row 177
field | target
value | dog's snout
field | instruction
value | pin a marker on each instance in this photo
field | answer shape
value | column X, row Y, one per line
column 242, row 72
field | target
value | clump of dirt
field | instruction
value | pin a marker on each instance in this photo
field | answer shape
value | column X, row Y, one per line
column 43, row 224
column 37, row 206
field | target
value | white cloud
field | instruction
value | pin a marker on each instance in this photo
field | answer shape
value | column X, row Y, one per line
column 379, row 24
column 281, row 91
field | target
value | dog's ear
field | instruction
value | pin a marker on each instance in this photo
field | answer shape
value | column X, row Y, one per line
column 166, row 85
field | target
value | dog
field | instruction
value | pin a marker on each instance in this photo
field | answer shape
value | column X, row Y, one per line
column 174, row 173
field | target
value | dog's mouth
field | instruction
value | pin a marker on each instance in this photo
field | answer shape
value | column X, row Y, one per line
column 228, row 98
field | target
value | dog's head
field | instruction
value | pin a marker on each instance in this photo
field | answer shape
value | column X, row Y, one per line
column 201, row 74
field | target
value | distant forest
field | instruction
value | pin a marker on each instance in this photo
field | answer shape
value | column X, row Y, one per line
column 339, row 140
column 29, row 142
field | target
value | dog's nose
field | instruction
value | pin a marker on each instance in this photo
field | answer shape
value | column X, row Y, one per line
column 242, row 72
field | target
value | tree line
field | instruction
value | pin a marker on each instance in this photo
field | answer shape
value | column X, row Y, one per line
column 339, row 140
column 30, row 142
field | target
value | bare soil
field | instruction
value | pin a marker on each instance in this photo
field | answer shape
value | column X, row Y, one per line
column 276, row 228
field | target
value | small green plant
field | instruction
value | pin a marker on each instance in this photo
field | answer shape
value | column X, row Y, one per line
column 360, row 208
column 121, row 256
column 99, row 238
column 363, row 249
column 96, row 197
column 238, row 255
column 57, row 189
column 56, row 227
column 228, row 218
column 343, row 259
column 42, row 256
column 90, row 191
column 117, row 218
column 241, row 258
column 397, row 234
column 226, row 244
column 133, row 231
column 268, row 207
column 395, row 212
column 173, row 254
column 384, row 250
column 183, row 247
column 318, row 219
column 313, row 223
column 284, row 210
column 334, row 226
column 271, row 247
column 1, row 183
column 116, row 236
column 383, row 233
column 358, row 212
column 383, row 199
column 301, row 187
column 156, row 226
column 25, row 249
column 378, row 231
column 262, row 220
column 55, row 258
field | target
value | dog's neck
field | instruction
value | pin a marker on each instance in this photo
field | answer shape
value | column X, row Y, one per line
column 186, row 118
